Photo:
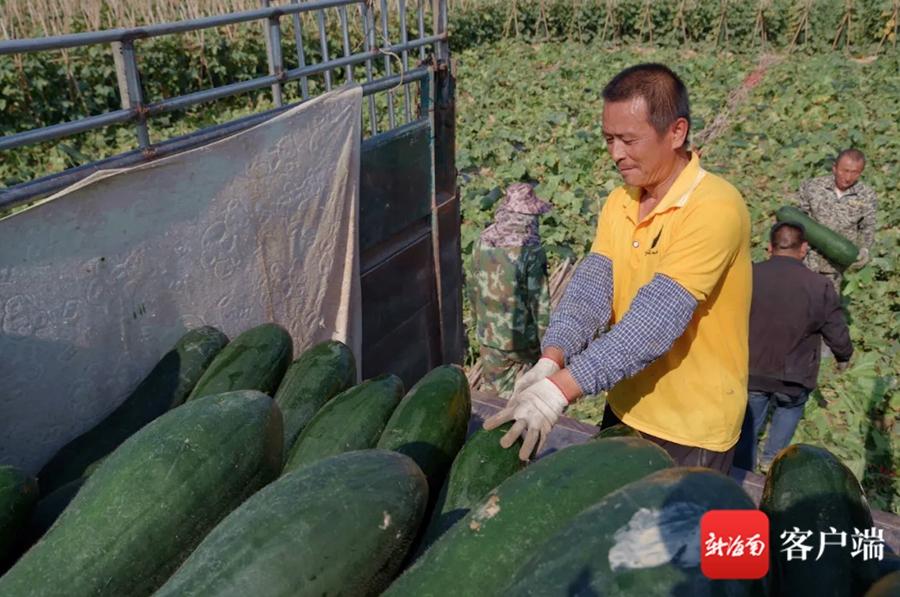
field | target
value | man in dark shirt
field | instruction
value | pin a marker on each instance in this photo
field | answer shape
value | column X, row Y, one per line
column 792, row 311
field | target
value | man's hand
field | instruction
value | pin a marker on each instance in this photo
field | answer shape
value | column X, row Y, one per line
column 861, row 260
column 543, row 368
column 535, row 411
column 842, row 365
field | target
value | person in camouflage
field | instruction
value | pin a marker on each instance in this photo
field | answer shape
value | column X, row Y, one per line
column 510, row 290
column 847, row 206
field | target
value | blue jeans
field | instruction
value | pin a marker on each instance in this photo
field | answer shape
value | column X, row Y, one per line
column 787, row 412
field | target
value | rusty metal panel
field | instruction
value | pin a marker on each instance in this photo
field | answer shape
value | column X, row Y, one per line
column 446, row 216
column 401, row 331
column 395, row 182
column 396, row 288
column 451, row 281
column 410, row 351
column 444, row 132
column 412, row 278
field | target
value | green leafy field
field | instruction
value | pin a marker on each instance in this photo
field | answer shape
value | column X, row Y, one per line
column 532, row 112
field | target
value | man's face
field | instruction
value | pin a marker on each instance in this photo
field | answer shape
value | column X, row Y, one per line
column 642, row 155
column 846, row 172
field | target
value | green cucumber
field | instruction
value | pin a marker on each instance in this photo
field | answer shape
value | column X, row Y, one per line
column 318, row 375
column 340, row 526
column 643, row 539
column 833, row 246
column 255, row 360
column 809, row 488
column 49, row 508
column 164, row 388
column 430, row 423
column 480, row 466
column 18, row 496
column 480, row 553
column 52, row 505
column 151, row 501
column 352, row 420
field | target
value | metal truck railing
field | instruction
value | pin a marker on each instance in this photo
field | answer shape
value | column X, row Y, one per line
column 134, row 108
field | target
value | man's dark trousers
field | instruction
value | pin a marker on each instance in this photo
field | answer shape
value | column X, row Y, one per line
column 786, row 414
column 681, row 454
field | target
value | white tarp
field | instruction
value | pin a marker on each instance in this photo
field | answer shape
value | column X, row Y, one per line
column 100, row 280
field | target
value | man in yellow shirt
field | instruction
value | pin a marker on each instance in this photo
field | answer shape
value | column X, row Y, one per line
column 667, row 286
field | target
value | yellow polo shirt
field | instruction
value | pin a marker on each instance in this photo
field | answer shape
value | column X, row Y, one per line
column 699, row 236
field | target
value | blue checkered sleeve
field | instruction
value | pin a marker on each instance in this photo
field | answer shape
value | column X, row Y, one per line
column 658, row 315
column 584, row 309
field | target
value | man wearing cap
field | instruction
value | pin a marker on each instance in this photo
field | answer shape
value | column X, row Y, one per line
column 793, row 309
column 510, row 294
column 666, row 286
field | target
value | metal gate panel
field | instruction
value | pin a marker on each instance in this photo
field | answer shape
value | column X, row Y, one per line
column 401, row 330
column 395, row 182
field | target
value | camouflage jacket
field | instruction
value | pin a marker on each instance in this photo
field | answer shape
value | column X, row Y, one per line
column 510, row 296
column 852, row 214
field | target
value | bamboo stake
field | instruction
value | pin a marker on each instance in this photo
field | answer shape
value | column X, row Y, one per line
column 542, row 18
column 722, row 23
column 680, row 20
column 609, row 20
column 802, row 25
column 512, row 19
column 891, row 24
column 759, row 26
column 577, row 14
column 646, row 21
column 844, row 26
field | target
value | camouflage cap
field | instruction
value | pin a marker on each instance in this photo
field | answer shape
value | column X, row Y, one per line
column 520, row 198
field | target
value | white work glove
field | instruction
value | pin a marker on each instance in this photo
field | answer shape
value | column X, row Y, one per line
column 535, row 411
column 543, row 368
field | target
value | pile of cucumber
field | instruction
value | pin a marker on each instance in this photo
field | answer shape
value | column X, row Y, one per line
column 234, row 469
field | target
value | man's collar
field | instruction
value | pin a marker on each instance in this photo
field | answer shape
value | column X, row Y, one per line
column 786, row 259
column 686, row 182
column 678, row 193
column 830, row 184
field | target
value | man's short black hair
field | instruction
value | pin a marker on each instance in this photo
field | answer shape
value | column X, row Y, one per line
column 664, row 93
column 787, row 236
column 853, row 154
